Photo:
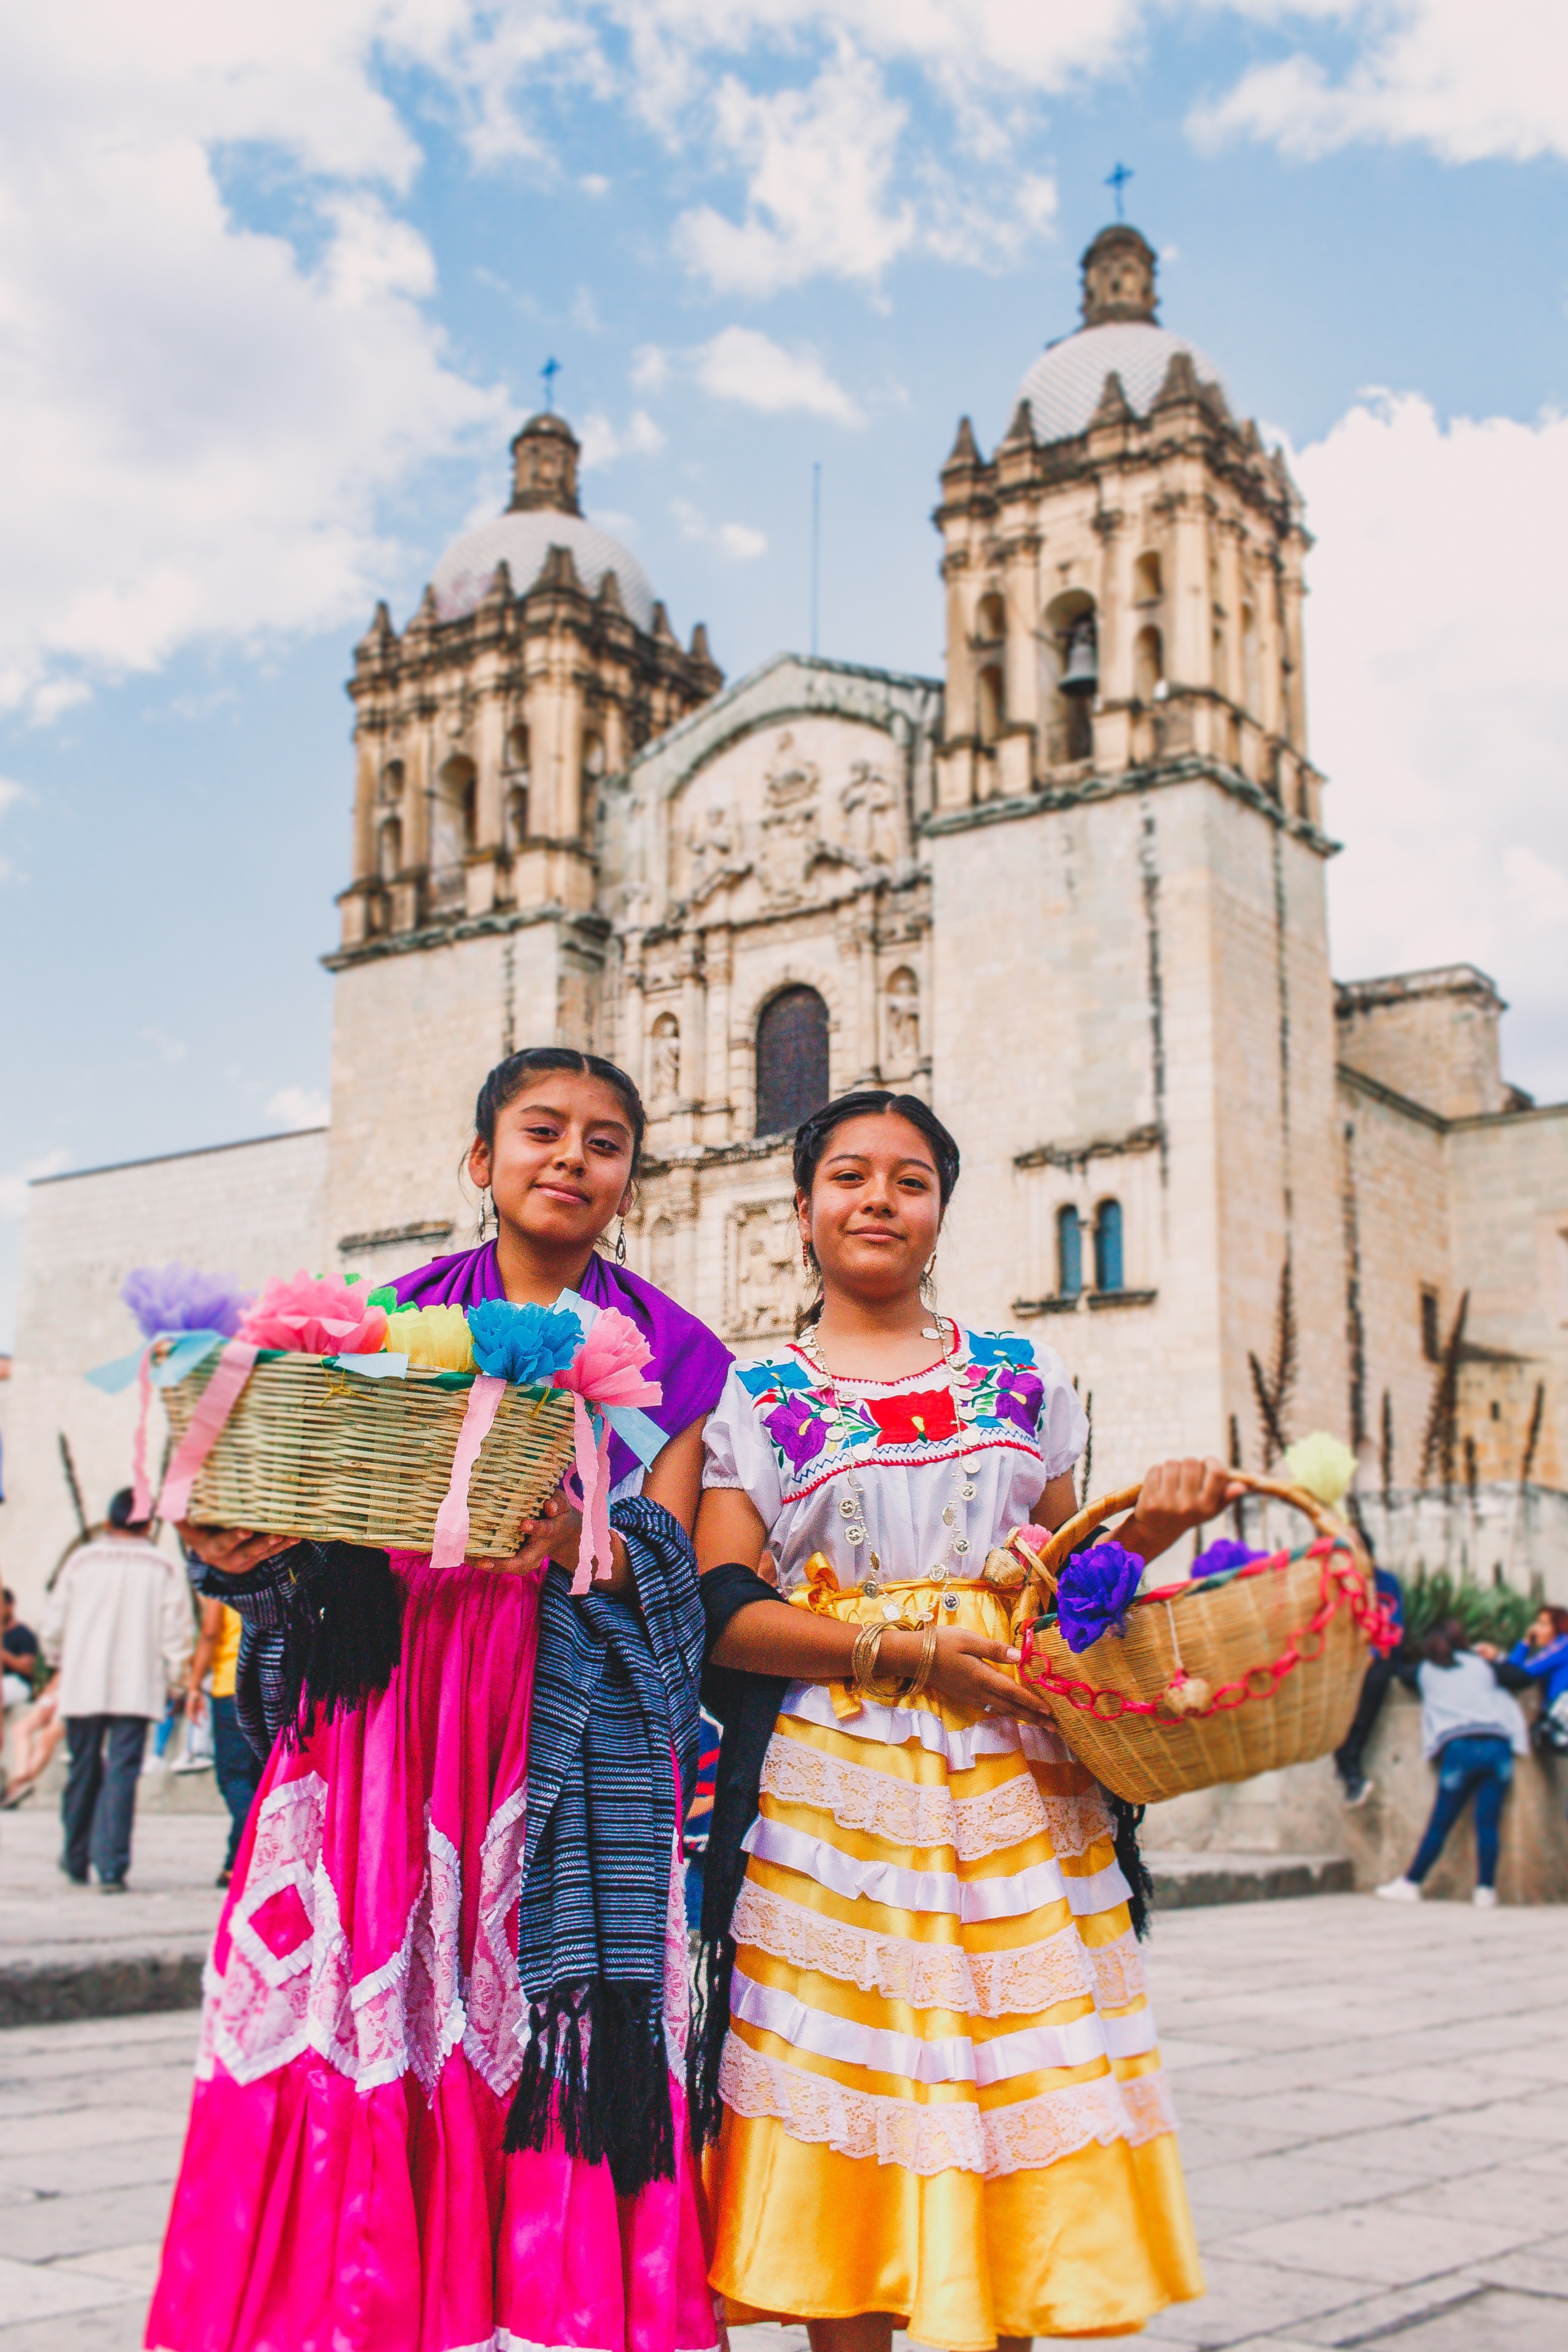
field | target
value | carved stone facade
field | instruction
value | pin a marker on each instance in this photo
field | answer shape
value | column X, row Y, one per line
column 1073, row 896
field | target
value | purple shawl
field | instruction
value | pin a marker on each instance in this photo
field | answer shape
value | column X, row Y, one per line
column 688, row 1360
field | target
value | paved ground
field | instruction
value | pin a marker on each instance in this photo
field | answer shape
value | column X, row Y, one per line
column 1374, row 2107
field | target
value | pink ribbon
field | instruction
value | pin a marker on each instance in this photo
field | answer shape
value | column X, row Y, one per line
column 206, row 1425
column 140, row 1493
column 451, row 1541
column 607, row 1370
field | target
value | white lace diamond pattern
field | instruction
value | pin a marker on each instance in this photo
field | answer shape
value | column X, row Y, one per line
column 411, row 2013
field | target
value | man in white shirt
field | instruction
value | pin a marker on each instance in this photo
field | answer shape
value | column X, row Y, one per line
column 119, row 1626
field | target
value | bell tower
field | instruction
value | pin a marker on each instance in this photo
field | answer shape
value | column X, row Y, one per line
column 486, row 730
column 1124, row 799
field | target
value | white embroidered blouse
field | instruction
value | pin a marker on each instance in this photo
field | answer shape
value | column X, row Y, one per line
column 896, row 1479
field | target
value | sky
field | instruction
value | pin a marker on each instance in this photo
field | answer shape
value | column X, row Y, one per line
column 277, row 286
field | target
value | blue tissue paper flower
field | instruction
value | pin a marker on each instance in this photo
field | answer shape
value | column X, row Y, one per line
column 523, row 1343
column 1224, row 1554
column 1093, row 1593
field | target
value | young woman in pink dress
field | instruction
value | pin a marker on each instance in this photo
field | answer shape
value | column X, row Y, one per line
column 437, row 2102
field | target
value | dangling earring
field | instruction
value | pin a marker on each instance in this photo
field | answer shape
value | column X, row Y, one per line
column 621, row 1244
column 928, row 1279
column 485, row 1199
column 805, row 1252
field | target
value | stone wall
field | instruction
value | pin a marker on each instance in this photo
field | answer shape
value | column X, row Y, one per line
column 250, row 1209
column 1302, row 1811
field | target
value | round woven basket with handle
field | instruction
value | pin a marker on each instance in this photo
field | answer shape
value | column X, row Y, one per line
column 311, row 1449
column 1217, row 1678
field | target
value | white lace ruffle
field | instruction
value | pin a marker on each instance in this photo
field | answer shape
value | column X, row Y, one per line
column 1024, row 1982
column 950, row 2135
column 292, row 1989
column 907, row 1814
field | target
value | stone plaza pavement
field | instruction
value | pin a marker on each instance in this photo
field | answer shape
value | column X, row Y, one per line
column 1374, row 2111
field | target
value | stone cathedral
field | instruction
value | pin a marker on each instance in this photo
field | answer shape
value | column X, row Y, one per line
column 1072, row 892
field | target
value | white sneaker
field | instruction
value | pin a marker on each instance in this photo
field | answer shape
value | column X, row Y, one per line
column 1399, row 1890
column 1485, row 1898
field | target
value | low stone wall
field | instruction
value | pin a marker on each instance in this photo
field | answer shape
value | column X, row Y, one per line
column 1302, row 1812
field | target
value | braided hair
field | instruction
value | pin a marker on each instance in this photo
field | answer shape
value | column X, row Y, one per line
column 813, row 1134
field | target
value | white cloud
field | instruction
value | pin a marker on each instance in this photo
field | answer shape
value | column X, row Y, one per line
column 298, row 1106
column 210, row 417
column 1466, row 82
column 10, row 793
column 14, row 1183
column 171, row 1049
column 602, row 443
column 736, row 540
column 818, row 162
column 740, row 364
column 1439, row 700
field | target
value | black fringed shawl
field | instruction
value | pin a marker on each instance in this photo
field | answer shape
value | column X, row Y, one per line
column 320, row 1623
column 615, row 1715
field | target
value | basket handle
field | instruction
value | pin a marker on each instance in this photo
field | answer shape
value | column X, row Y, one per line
column 1046, row 1565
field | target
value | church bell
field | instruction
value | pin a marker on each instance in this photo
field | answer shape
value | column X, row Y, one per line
column 1080, row 672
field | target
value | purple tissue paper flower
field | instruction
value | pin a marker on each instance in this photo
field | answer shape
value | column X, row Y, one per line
column 1225, row 1554
column 178, row 1297
column 798, row 1432
column 1093, row 1593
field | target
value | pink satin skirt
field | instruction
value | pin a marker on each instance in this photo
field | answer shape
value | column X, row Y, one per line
column 343, row 2186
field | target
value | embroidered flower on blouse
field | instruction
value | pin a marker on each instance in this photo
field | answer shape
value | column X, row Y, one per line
column 1019, row 1396
column 923, row 1419
column 797, row 1430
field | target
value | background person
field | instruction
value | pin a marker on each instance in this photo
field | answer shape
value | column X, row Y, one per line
column 238, row 1766
column 1542, row 1658
column 18, row 1653
column 1380, row 1672
column 1472, row 1728
column 118, row 1626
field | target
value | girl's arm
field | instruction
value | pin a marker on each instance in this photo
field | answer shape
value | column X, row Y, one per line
column 771, row 1638
column 675, row 1481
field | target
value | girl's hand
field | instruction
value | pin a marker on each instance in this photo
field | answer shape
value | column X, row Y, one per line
column 967, row 1672
column 1176, row 1495
column 232, row 1551
column 557, row 1535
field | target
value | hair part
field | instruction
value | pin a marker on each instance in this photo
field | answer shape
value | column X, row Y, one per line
column 508, row 1078
column 813, row 1136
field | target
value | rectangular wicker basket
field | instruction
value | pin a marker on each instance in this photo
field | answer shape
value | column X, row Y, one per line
column 313, row 1450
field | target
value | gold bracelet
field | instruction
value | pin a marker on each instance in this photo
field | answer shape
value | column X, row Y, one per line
column 927, row 1660
column 863, row 1656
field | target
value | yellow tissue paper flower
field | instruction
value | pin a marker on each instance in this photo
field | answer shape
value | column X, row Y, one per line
column 1322, row 1465
column 435, row 1338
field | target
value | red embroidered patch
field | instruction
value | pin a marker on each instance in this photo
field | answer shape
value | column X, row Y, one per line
column 910, row 1420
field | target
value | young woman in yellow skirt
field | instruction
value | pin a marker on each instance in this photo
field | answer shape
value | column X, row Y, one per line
column 942, row 2104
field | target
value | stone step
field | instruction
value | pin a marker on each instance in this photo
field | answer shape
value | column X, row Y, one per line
column 1185, row 1882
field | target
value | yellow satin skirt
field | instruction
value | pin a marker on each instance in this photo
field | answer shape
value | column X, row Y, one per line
column 943, row 2095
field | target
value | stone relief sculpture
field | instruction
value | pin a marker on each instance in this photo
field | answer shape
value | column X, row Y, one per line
column 764, row 1261
column 903, row 1020
column 792, row 827
column 711, row 841
column 870, row 814
column 664, row 1062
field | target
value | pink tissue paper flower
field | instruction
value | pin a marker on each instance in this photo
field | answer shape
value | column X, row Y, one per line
column 607, row 1367
column 317, row 1315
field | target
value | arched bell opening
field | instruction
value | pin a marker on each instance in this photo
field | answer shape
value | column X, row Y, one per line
column 1072, row 642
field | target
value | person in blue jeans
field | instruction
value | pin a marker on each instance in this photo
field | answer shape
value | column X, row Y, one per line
column 1472, row 1728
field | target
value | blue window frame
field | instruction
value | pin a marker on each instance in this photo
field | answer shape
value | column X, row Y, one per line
column 1069, row 1253
column 1108, row 1246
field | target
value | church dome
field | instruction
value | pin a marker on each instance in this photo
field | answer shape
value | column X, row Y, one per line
column 1121, row 334
column 523, row 541
column 1064, row 385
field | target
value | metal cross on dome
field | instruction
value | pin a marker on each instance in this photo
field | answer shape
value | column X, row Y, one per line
column 549, row 371
column 1116, row 180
